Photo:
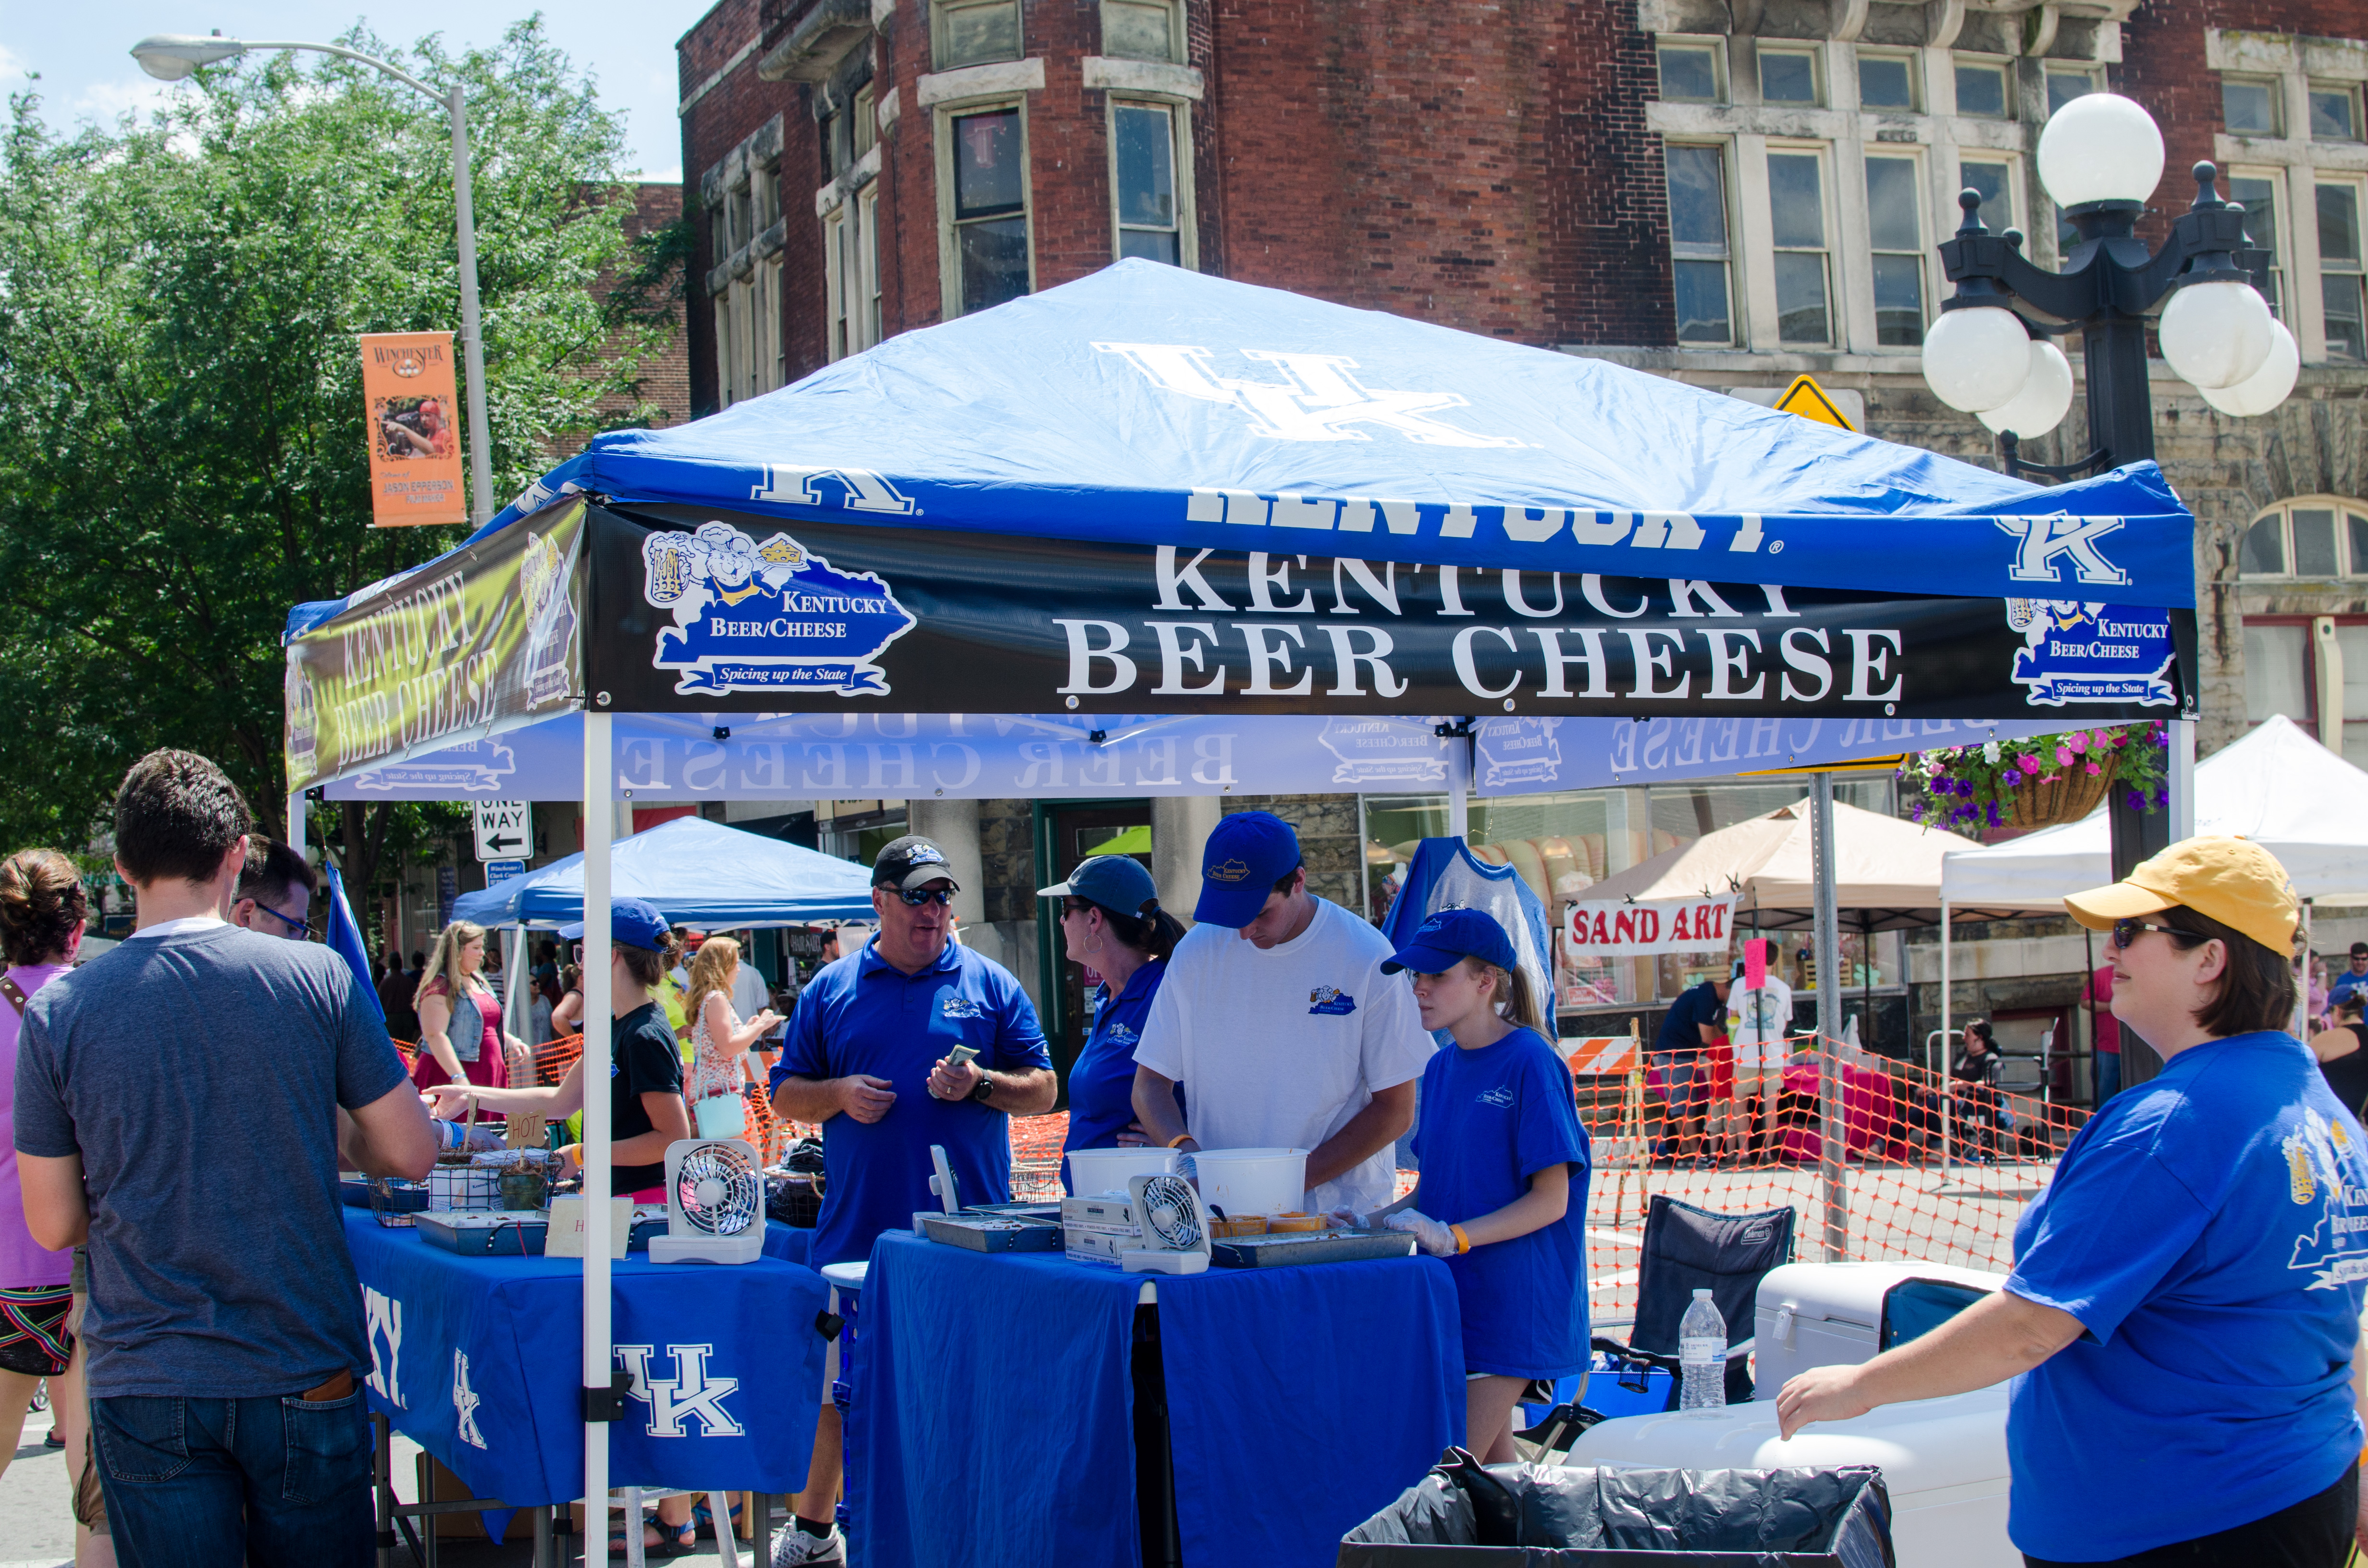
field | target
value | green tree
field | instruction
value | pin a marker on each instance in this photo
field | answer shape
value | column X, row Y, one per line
column 182, row 451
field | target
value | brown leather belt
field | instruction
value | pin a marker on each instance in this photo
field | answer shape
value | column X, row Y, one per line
column 338, row 1386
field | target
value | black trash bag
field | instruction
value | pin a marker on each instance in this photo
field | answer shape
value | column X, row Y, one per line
column 1563, row 1517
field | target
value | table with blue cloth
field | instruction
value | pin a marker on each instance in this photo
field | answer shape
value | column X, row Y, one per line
column 478, row 1360
column 1001, row 1403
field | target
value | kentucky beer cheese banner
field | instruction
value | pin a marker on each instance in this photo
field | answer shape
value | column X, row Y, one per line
column 415, row 429
column 695, row 611
column 489, row 640
column 1616, row 930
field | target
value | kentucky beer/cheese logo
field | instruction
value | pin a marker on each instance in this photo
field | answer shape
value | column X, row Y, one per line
column 2074, row 651
column 1227, row 871
column 1331, row 1001
column 769, row 618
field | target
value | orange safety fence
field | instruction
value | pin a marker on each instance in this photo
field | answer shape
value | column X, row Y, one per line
column 1922, row 1173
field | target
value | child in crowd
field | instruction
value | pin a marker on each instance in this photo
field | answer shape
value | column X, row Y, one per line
column 1504, row 1164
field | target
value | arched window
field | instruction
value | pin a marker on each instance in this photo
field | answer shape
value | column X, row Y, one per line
column 2309, row 537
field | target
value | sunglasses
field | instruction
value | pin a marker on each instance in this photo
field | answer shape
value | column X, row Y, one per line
column 2124, row 932
column 913, row 899
column 1074, row 906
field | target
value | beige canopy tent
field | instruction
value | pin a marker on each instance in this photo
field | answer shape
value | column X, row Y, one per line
column 1887, row 873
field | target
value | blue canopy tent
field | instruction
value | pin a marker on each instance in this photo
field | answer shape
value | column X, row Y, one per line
column 697, row 873
column 1154, row 490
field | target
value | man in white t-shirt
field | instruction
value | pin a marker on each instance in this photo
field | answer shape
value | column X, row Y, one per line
column 1275, row 1017
column 1757, row 1019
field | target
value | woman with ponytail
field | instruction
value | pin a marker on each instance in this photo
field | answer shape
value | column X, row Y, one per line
column 1505, row 1166
column 1112, row 925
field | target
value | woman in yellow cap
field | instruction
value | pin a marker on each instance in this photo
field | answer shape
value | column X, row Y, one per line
column 2189, row 1287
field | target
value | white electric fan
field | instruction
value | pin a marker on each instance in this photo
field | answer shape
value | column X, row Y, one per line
column 1174, row 1227
column 715, row 1203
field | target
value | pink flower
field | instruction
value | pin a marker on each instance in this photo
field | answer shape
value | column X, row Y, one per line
column 2030, row 764
column 2080, row 742
column 2094, row 770
column 2063, row 756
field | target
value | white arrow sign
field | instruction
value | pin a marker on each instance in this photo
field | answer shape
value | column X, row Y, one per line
column 504, row 829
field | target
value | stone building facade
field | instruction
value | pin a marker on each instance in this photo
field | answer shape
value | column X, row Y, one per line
column 1728, row 192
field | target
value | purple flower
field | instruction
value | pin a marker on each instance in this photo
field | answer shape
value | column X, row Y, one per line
column 2137, row 799
column 1994, row 821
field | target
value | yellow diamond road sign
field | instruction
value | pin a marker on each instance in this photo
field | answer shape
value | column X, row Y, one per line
column 1807, row 398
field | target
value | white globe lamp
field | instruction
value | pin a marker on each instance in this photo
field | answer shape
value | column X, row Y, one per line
column 1977, row 357
column 2265, row 388
column 2217, row 335
column 2045, row 397
column 2099, row 147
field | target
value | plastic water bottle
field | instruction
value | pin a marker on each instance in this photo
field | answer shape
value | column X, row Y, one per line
column 1701, row 1352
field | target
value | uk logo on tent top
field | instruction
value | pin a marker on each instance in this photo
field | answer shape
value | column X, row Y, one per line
column 767, row 618
column 1317, row 399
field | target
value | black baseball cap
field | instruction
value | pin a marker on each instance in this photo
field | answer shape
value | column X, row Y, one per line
column 2360, row 949
column 910, row 862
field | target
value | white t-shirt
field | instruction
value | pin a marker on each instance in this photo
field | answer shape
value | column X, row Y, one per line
column 1278, row 1048
column 750, row 997
column 1756, row 1023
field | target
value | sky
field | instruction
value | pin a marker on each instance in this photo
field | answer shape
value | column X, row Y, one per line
column 81, row 50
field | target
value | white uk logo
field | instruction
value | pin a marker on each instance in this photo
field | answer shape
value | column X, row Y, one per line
column 382, row 1320
column 689, row 1393
column 1318, row 401
column 465, row 1402
column 2044, row 539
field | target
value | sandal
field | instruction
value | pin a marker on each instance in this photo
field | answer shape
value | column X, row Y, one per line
column 667, row 1546
column 703, row 1520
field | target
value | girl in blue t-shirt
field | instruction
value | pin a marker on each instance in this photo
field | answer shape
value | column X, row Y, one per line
column 1112, row 924
column 1503, row 1194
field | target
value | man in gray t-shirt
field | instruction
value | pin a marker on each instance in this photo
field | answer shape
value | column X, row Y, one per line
column 182, row 1103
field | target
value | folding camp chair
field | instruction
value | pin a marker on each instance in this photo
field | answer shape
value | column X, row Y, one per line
column 1686, row 1249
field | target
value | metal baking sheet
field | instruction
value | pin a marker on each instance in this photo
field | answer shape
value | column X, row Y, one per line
column 520, row 1232
column 991, row 1236
column 1296, row 1248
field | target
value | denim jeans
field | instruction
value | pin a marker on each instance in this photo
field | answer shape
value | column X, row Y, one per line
column 2109, row 1075
column 278, row 1483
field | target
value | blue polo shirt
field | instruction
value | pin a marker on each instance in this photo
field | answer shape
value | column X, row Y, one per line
column 2344, row 983
column 2209, row 1228
column 1678, row 1036
column 1491, row 1120
column 1102, row 1082
column 864, row 1015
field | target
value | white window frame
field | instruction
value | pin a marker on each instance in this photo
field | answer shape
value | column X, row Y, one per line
column 1959, row 60
column 2349, row 567
column 949, row 248
column 2277, row 95
column 1819, row 94
column 1864, row 326
column 2353, row 267
column 1766, row 338
column 2280, row 243
column 2093, row 74
column 2346, row 89
column 1716, row 47
column 1738, row 317
column 1908, row 57
column 1179, row 152
column 835, row 293
column 1175, row 43
column 938, row 9
column 2013, row 216
column 869, row 312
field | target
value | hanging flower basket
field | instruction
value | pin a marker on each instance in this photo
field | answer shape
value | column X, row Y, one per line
column 2038, row 781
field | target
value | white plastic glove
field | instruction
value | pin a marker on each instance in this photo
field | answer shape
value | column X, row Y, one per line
column 1428, row 1234
column 1345, row 1219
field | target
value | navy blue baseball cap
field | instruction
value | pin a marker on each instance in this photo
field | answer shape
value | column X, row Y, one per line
column 1246, row 856
column 1450, row 936
column 1114, row 881
column 635, row 921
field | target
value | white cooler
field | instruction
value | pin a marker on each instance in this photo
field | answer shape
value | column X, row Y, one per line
column 1944, row 1462
column 1830, row 1314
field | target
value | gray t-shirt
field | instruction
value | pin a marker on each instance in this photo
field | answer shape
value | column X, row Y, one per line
column 197, row 1075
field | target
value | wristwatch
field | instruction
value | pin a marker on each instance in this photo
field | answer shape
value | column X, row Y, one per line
column 984, row 1087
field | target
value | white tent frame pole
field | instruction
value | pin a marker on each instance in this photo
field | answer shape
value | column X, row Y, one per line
column 599, row 825
column 1941, row 1069
column 2183, row 779
column 1459, row 788
column 1827, row 934
column 296, row 823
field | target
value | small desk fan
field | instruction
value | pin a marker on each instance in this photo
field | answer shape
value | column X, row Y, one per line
column 715, row 1203
column 1174, row 1227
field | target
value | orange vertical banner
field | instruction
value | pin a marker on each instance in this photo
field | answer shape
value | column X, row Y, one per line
column 415, row 429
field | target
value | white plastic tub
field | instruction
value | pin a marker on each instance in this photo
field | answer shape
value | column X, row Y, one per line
column 1253, row 1181
column 1093, row 1171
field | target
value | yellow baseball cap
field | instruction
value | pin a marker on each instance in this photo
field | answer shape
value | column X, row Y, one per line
column 2233, row 880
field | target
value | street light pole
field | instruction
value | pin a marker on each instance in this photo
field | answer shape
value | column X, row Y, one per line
column 171, row 57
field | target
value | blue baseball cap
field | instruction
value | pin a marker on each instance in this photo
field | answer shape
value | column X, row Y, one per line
column 1246, row 856
column 1114, row 881
column 635, row 921
column 1450, row 936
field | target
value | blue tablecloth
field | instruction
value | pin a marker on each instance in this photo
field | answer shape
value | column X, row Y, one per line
column 791, row 1244
column 992, row 1421
column 477, row 1359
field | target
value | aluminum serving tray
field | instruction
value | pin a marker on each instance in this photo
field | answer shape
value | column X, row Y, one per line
column 1294, row 1248
column 501, row 1233
column 991, row 1234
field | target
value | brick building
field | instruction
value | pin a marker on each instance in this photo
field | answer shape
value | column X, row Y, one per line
column 1729, row 192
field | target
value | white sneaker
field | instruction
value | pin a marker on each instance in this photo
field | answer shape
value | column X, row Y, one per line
column 792, row 1548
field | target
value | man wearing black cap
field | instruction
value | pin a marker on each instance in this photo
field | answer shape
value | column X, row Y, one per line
column 2352, row 979
column 1277, row 1019
column 869, row 1054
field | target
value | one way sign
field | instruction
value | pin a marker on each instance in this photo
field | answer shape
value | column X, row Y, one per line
column 504, row 829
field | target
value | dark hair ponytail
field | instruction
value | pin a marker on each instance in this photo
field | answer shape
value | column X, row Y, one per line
column 1154, row 934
